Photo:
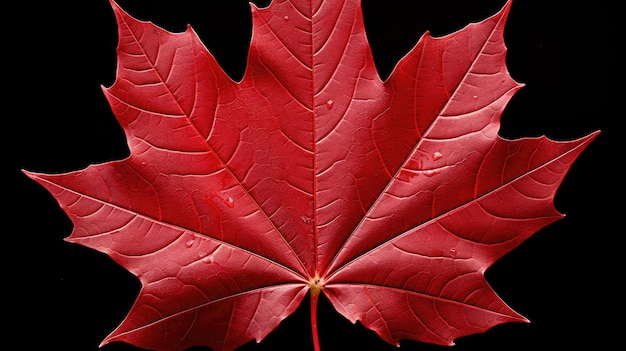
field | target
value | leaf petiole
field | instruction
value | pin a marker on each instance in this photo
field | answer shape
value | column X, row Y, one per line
column 316, row 287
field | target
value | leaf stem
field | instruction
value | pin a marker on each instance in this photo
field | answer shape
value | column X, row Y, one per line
column 316, row 288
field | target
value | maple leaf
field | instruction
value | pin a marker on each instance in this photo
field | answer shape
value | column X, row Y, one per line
column 312, row 175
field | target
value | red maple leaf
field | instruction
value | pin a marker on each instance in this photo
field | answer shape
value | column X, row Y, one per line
column 312, row 174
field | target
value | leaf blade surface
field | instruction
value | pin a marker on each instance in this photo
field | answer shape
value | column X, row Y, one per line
column 312, row 174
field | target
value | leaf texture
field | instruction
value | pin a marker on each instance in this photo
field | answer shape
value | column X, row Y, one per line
column 393, row 197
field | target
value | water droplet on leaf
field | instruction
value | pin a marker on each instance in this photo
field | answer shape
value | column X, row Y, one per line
column 437, row 155
column 230, row 202
column 205, row 257
column 329, row 104
column 431, row 172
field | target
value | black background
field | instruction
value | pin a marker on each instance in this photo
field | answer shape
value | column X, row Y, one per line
column 565, row 279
